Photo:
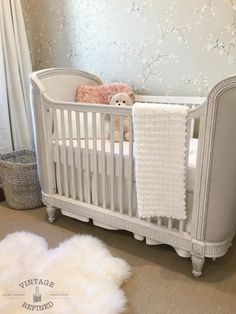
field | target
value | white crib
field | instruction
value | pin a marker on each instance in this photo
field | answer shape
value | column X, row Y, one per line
column 90, row 177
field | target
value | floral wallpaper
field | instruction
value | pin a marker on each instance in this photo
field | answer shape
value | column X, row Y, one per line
column 164, row 47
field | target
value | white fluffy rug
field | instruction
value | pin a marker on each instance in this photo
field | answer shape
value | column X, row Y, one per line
column 80, row 276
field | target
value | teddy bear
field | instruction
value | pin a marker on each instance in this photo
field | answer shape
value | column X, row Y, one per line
column 122, row 100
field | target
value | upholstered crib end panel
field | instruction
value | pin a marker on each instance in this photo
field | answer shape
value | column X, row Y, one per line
column 60, row 84
column 221, row 198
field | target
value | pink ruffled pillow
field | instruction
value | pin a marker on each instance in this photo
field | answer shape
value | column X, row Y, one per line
column 100, row 94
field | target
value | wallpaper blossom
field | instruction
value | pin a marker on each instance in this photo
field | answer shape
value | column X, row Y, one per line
column 164, row 47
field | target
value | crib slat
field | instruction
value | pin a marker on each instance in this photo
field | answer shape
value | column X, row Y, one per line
column 79, row 158
column 181, row 225
column 103, row 161
column 170, row 223
column 130, row 176
column 58, row 168
column 159, row 221
column 192, row 124
column 121, row 158
column 71, row 156
column 112, row 162
column 95, row 168
column 188, row 138
column 62, row 114
column 87, row 161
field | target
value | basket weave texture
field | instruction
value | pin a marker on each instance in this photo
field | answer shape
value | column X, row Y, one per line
column 18, row 172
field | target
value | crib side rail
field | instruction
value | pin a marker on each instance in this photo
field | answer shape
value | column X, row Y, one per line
column 196, row 106
column 181, row 100
column 76, row 174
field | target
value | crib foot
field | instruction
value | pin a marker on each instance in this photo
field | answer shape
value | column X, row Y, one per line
column 51, row 211
column 197, row 263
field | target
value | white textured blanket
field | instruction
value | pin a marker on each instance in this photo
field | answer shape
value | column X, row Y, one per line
column 160, row 151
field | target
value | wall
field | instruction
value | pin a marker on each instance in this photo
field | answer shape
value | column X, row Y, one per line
column 180, row 47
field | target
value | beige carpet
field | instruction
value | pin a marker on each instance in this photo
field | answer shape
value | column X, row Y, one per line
column 161, row 282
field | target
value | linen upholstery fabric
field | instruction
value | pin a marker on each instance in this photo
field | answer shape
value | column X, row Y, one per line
column 221, row 213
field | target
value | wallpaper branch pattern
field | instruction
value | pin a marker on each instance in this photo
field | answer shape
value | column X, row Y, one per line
column 158, row 46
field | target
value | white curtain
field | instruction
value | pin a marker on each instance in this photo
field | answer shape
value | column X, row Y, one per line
column 15, row 65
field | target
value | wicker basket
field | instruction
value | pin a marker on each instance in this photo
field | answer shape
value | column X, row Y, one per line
column 18, row 172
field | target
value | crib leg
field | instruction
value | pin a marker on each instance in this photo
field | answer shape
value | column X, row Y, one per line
column 51, row 211
column 197, row 263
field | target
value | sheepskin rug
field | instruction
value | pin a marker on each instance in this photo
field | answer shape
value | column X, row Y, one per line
column 79, row 276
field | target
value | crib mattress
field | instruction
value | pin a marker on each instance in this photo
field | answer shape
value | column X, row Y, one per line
column 191, row 161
